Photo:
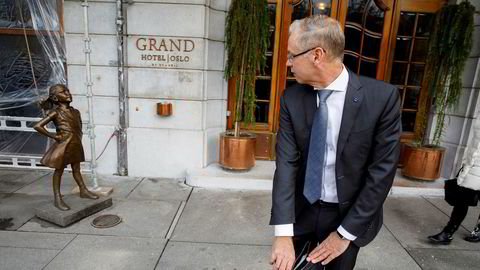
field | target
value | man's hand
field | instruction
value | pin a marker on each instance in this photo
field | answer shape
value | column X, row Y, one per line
column 329, row 249
column 283, row 253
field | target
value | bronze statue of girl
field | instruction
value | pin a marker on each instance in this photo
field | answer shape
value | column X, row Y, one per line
column 67, row 148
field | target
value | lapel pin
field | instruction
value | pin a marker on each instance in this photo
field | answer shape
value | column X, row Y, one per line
column 355, row 99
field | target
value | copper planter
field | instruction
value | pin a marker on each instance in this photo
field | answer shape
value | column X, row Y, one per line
column 237, row 153
column 424, row 163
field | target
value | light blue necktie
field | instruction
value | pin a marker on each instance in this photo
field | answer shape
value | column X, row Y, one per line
column 312, row 189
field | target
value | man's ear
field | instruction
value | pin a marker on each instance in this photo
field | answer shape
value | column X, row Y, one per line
column 319, row 55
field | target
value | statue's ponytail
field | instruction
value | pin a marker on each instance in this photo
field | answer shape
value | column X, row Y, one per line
column 46, row 104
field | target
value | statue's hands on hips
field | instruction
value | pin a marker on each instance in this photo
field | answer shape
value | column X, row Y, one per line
column 283, row 253
column 329, row 249
column 58, row 137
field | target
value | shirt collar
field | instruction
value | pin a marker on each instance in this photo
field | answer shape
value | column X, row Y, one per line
column 340, row 83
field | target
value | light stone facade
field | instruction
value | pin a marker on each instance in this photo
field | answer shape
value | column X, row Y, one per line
column 168, row 146
column 167, row 30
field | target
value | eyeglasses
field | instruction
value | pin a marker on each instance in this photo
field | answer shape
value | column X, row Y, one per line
column 291, row 56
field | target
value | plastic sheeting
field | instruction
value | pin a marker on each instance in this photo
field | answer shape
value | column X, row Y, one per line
column 27, row 69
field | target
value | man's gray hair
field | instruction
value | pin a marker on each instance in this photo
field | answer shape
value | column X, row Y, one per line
column 319, row 31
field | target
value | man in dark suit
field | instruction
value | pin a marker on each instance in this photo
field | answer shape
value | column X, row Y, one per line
column 336, row 153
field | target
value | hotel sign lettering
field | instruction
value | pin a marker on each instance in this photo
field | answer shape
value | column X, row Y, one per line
column 164, row 52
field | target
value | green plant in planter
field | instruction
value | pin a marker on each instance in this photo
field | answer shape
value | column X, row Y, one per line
column 449, row 48
column 246, row 42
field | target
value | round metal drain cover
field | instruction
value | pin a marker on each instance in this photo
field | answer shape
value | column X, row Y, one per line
column 106, row 221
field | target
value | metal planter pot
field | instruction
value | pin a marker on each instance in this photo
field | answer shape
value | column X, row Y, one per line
column 424, row 163
column 237, row 153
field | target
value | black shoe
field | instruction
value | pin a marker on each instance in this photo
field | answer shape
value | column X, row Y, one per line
column 473, row 238
column 443, row 238
column 475, row 235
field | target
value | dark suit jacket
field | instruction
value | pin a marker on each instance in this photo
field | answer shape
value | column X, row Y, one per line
column 367, row 154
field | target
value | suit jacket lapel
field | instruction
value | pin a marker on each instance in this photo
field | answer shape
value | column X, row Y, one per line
column 310, row 103
column 353, row 100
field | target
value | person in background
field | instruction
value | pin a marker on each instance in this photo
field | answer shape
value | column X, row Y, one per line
column 469, row 177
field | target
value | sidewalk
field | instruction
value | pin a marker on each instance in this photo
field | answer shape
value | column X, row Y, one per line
column 168, row 225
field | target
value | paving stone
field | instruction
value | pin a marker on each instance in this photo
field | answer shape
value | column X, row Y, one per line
column 79, row 208
column 238, row 217
column 17, row 209
column 471, row 218
column 108, row 252
column 378, row 254
column 213, row 256
column 139, row 219
column 161, row 189
column 12, row 180
column 122, row 186
column 25, row 258
column 439, row 259
column 412, row 220
column 43, row 186
column 34, row 240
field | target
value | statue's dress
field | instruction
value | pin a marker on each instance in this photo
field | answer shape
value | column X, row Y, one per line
column 69, row 149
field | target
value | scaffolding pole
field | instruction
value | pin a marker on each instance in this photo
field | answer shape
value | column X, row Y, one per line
column 122, row 160
column 89, row 83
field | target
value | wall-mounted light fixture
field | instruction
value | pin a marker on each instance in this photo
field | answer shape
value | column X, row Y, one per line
column 164, row 109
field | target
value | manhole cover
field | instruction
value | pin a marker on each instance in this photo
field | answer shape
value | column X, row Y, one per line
column 106, row 221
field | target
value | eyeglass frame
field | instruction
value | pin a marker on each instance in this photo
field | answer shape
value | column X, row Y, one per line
column 291, row 56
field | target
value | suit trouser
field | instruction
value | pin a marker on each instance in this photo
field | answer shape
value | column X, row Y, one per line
column 314, row 224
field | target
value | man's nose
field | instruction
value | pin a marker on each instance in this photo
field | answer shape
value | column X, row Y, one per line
column 289, row 63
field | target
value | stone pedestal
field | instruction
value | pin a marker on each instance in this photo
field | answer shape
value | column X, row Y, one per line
column 79, row 208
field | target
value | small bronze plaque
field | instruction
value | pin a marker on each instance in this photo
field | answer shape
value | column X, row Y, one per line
column 106, row 221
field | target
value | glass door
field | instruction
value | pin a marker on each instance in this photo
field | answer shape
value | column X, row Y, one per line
column 265, row 88
column 411, row 31
column 413, row 22
column 367, row 28
column 409, row 62
column 263, row 84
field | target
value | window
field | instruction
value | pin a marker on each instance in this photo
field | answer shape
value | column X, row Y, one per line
column 26, row 68
column 409, row 62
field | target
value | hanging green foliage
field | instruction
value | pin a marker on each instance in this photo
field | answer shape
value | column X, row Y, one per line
column 246, row 42
column 449, row 48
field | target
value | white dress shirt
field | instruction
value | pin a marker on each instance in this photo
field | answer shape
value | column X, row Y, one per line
column 335, row 103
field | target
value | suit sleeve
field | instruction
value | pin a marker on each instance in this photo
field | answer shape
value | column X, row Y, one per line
column 287, row 158
column 381, row 169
